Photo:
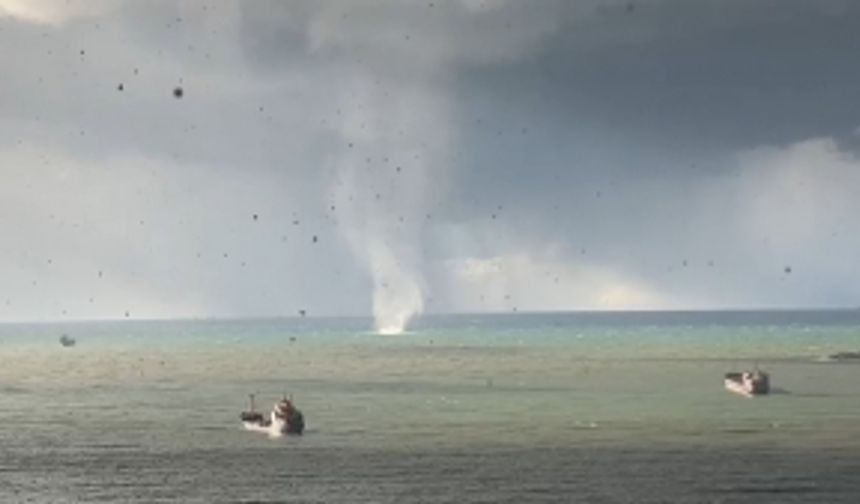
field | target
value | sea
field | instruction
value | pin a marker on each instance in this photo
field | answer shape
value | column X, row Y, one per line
column 507, row 408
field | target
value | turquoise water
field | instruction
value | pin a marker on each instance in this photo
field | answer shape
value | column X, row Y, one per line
column 461, row 409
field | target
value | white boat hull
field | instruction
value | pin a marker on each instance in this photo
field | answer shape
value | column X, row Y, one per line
column 276, row 427
column 738, row 388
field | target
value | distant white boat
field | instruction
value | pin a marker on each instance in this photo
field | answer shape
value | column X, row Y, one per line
column 748, row 383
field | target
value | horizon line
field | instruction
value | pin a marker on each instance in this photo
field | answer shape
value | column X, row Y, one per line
column 229, row 318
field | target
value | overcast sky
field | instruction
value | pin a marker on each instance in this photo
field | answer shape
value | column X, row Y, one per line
column 435, row 156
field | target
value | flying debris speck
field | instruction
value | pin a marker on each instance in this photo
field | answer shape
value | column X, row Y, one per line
column 127, row 314
column 315, row 239
column 787, row 269
column 178, row 92
column 120, row 87
column 302, row 312
column 255, row 216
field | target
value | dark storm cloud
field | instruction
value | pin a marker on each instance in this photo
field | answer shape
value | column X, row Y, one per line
column 446, row 155
column 696, row 76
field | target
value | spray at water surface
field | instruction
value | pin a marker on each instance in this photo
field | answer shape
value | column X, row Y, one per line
column 397, row 292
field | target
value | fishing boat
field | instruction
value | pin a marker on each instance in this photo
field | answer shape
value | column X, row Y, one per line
column 748, row 383
column 284, row 418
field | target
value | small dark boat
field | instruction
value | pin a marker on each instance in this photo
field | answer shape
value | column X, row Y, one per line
column 845, row 356
column 67, row 341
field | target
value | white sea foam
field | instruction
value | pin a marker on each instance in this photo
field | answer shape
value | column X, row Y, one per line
column 275, row 428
